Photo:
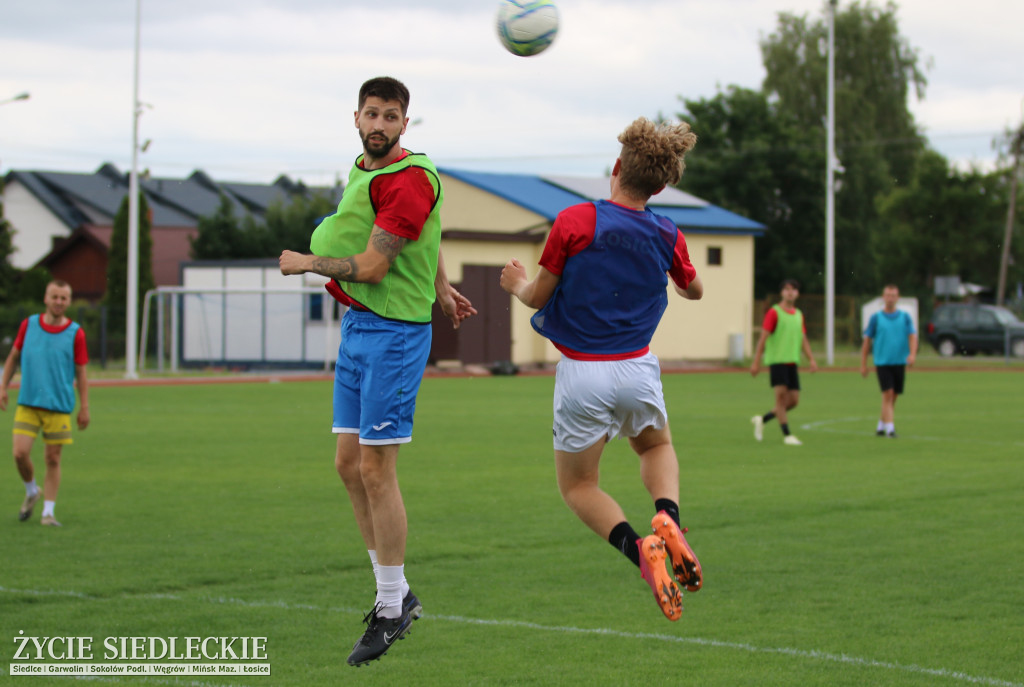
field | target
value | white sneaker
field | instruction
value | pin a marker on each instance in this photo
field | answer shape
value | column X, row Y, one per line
column 758, row 423
column 791, row 440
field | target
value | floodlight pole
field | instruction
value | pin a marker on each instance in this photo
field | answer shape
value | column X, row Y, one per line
column 830, row 191
column 20, row 96
column 131, row 316
column 1016, row 147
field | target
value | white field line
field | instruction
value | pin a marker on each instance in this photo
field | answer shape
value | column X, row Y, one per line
column 605, row 632
column 869, row 423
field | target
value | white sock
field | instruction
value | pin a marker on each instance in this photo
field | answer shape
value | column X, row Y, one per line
column 389, row 590
column 890, row 427
column 48, row 508
column 31, row 487
column 375, row 564
column 881, row 426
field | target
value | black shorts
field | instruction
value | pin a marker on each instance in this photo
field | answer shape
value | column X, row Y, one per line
column 891, row 377
column 785, row 374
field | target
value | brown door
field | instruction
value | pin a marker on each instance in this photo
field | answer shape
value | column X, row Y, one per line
column 485, row 338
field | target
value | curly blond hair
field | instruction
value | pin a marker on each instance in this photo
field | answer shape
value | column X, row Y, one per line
column 652, row 156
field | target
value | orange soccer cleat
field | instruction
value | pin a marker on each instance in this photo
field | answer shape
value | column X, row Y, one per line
column 681, row 557
column 653, row 570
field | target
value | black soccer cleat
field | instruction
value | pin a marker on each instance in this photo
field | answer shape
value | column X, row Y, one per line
column 380, row 634
column 412, row 606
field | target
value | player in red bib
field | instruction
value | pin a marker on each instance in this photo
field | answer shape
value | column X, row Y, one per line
column 601, row 291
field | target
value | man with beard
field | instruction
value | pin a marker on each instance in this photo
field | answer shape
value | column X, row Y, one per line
column 381, row 251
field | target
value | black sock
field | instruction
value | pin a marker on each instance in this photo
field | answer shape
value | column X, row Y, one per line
column 623, row 538
column 669, row 506
column 770, row 415
column 785, row 429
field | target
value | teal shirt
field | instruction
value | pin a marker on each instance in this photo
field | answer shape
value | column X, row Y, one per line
column 48, row 368
column 890, row 337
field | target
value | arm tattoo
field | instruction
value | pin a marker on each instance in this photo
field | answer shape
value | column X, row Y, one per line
column 342, row 269
column 387, row 243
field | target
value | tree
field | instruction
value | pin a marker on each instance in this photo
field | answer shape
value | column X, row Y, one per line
column 219, row 235
column 756, row 160
column 877, row 141
column 117, row 265
column 945, row 222
column 8, row 273
column 287, row 224
column 291, row 224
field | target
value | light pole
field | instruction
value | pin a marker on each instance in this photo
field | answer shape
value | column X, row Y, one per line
column 830, row 192
column 131, row 316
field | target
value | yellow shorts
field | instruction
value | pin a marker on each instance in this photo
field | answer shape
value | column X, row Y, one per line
column 56, row 426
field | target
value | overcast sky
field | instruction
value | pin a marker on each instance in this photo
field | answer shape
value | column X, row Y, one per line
column 250, row 89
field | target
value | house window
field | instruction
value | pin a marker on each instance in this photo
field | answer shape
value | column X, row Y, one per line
column 316, row 307
column 714, row 255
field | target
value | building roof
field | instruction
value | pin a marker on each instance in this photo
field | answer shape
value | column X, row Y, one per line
column 549, row 195
column 77, row 199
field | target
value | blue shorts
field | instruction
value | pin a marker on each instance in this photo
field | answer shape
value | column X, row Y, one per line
column 377, row 376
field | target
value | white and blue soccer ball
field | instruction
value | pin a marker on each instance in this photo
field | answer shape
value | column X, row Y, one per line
column 527, row 28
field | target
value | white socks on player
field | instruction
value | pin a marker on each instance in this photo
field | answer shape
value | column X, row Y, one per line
column 389, row 590
column 890, row 427
column 48, row 508
column 881, row 426
column 391, row 586
column 31, row 487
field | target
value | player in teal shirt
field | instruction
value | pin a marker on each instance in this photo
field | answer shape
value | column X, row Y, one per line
column 892, row 338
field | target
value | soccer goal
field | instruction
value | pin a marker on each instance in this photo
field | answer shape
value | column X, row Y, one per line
column 242, row 327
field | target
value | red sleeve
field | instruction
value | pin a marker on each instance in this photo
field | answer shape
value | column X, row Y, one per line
column 771, row 319
column 683, row 272
column 572, row 231
column 19, row 340
column 81, row 351
column 403, row 201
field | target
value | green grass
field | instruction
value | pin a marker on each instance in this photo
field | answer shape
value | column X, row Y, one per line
column 854, row 560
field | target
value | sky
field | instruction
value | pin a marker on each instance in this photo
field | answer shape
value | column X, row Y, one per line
column 247, row 90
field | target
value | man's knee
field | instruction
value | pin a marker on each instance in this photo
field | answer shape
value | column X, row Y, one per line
column 377, row 466
column 52, row 455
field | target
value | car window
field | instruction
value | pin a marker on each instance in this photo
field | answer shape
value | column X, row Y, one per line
column 986, row 318
column 1004, row 316
column 943, row 316
column 965, row 317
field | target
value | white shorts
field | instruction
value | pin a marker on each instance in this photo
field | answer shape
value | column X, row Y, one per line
column 597, row 399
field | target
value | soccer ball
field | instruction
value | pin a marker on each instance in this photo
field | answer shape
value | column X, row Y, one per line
column 527, row 28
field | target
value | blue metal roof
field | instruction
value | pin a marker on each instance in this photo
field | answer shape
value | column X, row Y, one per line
column 546, row 199
column 525, row 190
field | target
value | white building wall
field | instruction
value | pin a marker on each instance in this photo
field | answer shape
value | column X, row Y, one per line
column 35, row 226
column 271, row 328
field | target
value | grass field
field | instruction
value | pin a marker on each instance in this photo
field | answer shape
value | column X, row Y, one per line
column 214, row 509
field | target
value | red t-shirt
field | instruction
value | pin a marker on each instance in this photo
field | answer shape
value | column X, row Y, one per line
column 771, row 319
column 81, row 351
column 573, row 231
column 403, row 201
